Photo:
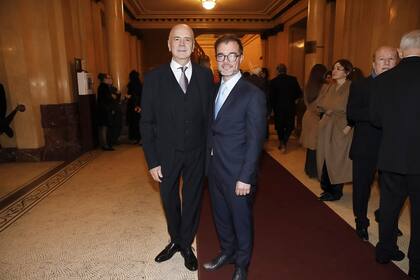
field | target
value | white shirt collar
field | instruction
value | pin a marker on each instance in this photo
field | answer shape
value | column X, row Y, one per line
column 229, row 84
column 177, row 72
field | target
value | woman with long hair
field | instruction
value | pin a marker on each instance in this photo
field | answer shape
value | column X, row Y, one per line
column 310, row 120
column 334, row 134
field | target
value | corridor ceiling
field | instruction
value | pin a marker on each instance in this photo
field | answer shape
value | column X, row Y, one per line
column 228, row 14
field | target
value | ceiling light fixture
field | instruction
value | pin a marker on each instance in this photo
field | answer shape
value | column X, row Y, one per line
column 208, row 4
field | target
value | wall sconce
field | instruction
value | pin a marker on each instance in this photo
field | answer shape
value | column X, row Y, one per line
column 208, row 4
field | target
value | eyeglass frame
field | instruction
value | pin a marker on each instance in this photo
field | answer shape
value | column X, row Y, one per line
column 226, row 56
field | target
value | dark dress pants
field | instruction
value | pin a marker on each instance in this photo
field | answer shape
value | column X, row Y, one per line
column 395, row 188
column 233, row 219
column 182, row 215
column 335, row 189
column 363, row 174
column 310, row 163
column 284, row 121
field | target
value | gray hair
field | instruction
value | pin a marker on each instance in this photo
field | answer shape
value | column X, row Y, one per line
column 281, row 68
column 410, row 40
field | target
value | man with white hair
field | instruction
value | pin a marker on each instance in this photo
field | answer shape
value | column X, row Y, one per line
column 395, row 109
column 366, row 138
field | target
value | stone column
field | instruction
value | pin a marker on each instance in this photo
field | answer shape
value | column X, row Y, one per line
column 315, row 34
column 117, row 57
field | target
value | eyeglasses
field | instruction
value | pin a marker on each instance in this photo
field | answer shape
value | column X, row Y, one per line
column 231, row 57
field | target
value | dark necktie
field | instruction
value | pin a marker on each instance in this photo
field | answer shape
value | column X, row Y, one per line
column 183, row 80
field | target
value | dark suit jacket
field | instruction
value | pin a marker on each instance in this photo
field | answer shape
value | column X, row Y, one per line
column 284, row 90
column 158, row 112
column 237, row 135
column 366, row 137
column 395, row 107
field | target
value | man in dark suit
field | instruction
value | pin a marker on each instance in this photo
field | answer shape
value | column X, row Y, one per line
column 175, row 112
column 395, row 108
column 236, row 137
column 284, row 91
column 366, row 138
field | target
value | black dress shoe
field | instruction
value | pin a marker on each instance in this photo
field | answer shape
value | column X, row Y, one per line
column 329, row 197
column 190, row 261
column 362, row 233
column 168, row 252
column 384, row 259
column 218, row 262
column 240, row 274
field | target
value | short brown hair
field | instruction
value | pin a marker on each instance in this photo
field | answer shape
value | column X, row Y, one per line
column 229, row 38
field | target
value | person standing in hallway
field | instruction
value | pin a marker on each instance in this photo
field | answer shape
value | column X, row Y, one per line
column 366, row 138
column 105, row 112
column 395, row 109
column 236, row 137
column 134, row 89
column 310, row 120
column 284, row 91
column 175, row 106
column 334, row 166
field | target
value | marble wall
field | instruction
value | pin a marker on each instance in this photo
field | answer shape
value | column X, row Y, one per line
column 39, row 41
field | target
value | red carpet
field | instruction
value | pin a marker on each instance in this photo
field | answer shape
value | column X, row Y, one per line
column 296, row 236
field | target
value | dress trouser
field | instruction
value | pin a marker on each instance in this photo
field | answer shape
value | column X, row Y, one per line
column 182, row 214
column 284, row 124
column 335, row 189
column 395, row 188
column 233, row 218
column 363, row 174
column 310, row 164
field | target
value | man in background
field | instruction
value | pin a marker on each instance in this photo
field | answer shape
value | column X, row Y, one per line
column 284, row 91
column 366, row 137
column 395, row 109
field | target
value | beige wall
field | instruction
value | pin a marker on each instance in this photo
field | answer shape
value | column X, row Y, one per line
column 39, row 40
column 362, row 26
column 252, row 53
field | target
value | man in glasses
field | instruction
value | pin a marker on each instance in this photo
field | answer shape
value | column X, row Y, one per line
column 235, row 142
column 176, row 106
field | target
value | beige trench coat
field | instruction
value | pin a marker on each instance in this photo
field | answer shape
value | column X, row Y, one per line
column 333, row 143
column 309, row 135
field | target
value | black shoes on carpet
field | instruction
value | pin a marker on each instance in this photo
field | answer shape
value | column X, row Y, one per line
column 362, row 233
column 386, row 258
column 190, row 260
column 218, row 262
column 327, row 196
column 240, row 274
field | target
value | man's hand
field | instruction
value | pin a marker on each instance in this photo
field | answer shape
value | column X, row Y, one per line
column 242, row 188
column 156, row 173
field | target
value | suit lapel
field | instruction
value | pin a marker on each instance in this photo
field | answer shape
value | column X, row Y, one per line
column 233, row 95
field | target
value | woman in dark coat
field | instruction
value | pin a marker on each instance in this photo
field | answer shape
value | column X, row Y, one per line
column 134, row 89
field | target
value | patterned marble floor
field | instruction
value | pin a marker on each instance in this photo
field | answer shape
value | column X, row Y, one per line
column 102, row 219
column 105, row 222
column 15, row 174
